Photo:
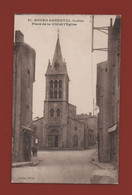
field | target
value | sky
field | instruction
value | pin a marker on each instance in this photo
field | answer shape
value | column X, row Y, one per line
column 75, row 32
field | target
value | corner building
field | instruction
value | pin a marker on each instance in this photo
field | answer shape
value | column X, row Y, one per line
column 108, row 97
column 23, row 79
column 61, row 129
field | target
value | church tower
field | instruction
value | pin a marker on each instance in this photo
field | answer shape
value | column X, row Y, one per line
column 56, row 102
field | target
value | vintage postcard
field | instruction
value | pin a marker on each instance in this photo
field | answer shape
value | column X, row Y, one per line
column 66, row 86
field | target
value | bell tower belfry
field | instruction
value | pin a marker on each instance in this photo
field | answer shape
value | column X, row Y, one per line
column 56, row 102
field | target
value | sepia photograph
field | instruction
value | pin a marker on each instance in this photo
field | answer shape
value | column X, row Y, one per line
column 66, row 97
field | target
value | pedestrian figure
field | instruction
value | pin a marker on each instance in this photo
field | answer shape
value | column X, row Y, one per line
column 26, row 152
column 35, row 151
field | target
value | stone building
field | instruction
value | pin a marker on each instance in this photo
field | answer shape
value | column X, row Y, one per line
column 62, row 129
column 23, row 78
column 90, row 128
column 108, row 88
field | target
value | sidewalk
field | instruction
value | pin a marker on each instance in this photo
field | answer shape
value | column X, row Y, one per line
column 34, row 161
column 105, row 166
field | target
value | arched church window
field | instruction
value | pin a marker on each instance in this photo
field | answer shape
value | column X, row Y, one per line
column 51, row 84
column 51, row 94
column 60, row 94
column 55, row 94
column 58, row 112
column 51, row 112
column 55, row 83
column 60, row 83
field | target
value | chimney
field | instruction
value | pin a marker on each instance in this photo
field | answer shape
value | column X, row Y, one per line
column 19, row 37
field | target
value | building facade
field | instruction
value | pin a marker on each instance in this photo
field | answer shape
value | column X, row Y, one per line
column 23, row 78
column 62, row 127
column 90, row 129
column 59, row 115
column 108, row 90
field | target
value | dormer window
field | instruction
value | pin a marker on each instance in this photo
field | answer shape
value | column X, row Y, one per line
column 56, row 64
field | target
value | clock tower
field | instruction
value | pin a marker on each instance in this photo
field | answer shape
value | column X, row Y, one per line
column 56, row 102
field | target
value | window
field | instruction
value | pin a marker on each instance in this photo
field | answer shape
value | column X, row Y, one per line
column 51, row 94
column 28, row 79
column 51, row 112
column 56, row 64
column 51, row 84
column 55, row 94
column 60, row 94
column 60, row 84
column 58, row 112
column 55, row 83
column 75, row 128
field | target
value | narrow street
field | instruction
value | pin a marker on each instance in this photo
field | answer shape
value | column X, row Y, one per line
column 58, row 167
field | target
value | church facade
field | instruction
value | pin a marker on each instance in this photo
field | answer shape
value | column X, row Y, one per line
column 61, row 126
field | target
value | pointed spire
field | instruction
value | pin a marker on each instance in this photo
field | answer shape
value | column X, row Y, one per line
column 58, row 65
column 49, row 67
column 57, row 54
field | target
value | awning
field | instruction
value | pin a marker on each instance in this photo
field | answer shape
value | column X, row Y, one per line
column 113, row 128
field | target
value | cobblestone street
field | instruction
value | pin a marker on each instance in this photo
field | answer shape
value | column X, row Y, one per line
column 58, row 167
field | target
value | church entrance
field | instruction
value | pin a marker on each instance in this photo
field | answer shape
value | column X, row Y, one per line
column 53, row 141
column 54, row 138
